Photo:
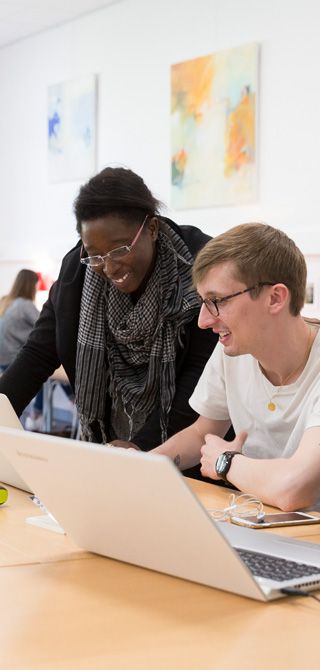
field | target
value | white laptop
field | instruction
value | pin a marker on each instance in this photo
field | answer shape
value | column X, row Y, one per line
column 137, row 507
column 9, row 419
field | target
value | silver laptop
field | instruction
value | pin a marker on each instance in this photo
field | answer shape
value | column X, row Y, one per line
column 137, row 507
column 9, row 419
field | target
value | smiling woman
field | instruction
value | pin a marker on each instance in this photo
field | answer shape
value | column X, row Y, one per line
column 127, row 272
column 122, row 318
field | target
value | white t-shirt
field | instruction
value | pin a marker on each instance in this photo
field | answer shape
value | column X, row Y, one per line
column 234, row 388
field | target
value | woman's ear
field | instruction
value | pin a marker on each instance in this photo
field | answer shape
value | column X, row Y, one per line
column 153, row 226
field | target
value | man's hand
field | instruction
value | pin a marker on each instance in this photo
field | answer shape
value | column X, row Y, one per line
column 213, row 447
column 124, row 445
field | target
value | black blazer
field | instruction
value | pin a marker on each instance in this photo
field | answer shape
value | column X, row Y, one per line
column 53, row 342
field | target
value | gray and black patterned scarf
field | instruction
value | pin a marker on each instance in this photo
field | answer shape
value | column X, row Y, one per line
column 129, row 350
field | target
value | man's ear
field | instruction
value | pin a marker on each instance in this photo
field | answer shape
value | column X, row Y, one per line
column 279, row 297
column 153, row 226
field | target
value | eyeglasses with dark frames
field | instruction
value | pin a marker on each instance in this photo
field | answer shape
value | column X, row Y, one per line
column 213, row 304
column 114, row 254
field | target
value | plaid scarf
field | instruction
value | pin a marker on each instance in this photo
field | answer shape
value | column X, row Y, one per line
column 129, row 350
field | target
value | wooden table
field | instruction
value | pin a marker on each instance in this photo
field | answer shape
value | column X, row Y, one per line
column 63, row 608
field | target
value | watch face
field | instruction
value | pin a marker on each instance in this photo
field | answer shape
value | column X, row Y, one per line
column 222, row 462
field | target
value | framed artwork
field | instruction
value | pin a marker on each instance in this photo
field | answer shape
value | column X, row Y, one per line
column 71, row 128
column 312, row 298
column 214, row 129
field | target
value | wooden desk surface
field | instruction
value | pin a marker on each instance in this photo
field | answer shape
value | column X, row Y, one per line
column 22, row 543
column 62, row 613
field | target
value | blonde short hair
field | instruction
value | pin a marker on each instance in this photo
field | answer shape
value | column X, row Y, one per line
column 260, row 253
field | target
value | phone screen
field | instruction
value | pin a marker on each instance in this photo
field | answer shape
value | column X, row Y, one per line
column 279, row 518
column 286, row 517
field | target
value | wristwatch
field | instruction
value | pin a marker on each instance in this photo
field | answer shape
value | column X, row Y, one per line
column 223, row 463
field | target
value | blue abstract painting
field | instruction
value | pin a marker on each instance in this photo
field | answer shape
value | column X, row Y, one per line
column 71, row 129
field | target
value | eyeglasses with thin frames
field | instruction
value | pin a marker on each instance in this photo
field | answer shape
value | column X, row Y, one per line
column 114, row 254
column 213, row 304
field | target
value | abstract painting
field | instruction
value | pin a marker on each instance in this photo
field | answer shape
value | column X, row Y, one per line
column 213, row 129
column 72, row 129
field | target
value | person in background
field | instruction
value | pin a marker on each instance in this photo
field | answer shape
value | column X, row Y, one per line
column 121, row 318
column 18, row 315
column 264, row 374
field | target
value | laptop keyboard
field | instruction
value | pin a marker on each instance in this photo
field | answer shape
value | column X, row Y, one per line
column 272, row 567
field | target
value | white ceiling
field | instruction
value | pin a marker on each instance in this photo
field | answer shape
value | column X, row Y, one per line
column 22, row 18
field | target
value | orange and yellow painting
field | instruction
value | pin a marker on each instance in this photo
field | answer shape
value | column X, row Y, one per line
column 213, row 129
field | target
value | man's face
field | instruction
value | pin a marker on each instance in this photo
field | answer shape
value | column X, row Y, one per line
column 242, row 320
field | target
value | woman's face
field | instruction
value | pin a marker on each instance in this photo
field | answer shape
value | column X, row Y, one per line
column 130, row 273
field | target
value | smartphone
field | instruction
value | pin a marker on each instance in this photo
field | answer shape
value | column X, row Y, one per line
column 277, row 519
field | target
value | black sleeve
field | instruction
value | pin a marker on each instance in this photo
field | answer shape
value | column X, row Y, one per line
column 36, row 361
column 190, row 363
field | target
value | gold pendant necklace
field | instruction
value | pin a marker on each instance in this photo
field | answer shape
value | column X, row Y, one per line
column 271, row 405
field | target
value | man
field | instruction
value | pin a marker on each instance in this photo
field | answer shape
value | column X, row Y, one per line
column 264, row 374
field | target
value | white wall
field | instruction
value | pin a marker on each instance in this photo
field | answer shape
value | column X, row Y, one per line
column 131, row 46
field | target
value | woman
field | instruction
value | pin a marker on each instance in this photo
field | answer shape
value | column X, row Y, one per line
column 18, row 315
column 121, row 318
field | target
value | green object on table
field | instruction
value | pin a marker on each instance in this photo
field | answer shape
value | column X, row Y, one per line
column 3, row 495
